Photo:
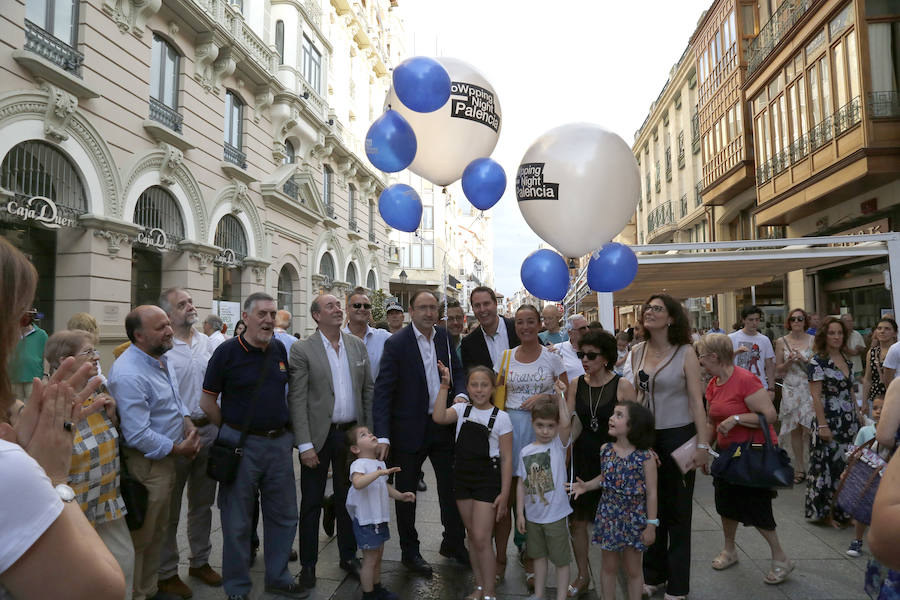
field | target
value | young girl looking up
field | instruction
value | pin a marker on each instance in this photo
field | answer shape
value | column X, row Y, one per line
column 367, row 504
column 626, row 518
column 482, row 469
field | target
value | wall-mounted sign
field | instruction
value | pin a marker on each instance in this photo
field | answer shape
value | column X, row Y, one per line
column 326, row 282
column 40, row 209
column 227, row 258
column 154, row 238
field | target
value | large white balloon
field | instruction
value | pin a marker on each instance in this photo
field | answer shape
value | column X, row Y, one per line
column 577, row 187
column 465, row 128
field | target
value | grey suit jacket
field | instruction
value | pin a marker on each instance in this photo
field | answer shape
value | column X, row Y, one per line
column 311, row 391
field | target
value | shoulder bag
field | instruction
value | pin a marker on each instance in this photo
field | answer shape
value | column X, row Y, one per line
column 502, row 374
column 224, row 458
column 860, row 481
column 755, row 465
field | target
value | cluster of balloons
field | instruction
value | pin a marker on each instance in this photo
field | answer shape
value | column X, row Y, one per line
column 441, row 121
column 577, row 186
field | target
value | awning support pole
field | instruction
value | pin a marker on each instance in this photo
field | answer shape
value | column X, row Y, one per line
column 605, row 310
column 893, row 257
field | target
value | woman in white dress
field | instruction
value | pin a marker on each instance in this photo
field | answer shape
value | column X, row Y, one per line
column 792, row 354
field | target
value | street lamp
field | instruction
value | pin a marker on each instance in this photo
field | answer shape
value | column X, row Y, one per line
column 403, row 279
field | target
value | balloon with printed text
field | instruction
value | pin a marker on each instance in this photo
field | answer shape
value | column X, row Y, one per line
column 422, row 84
column 400, row 207
column 483, row 182
column 612, row 268
column 545, row 274
column 390, row 142
column 466, row 127
column 577, row 187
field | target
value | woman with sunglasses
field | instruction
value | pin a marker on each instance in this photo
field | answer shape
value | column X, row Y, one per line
column 792, row 354
column 667, row 374
column 592, row 399
column 884, row 336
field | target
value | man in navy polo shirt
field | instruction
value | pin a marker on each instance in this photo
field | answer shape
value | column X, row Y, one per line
column 233, row 372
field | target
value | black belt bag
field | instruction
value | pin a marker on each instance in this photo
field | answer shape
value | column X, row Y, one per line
column 225, row 458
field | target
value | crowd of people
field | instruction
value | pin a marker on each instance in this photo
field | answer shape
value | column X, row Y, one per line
column 557, row 433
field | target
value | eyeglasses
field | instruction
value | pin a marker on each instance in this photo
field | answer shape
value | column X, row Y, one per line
column 797, row 319
column 91, row 353
column 702, row 356
column 358, row 305
column 582, row 329
column 655, row 308
column 588, row 355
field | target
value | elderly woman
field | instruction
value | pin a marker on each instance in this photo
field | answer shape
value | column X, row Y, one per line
column 792, row 354
column 48, row 549
column 667, row 376
column 836, row 422
column 592, row 398
column 736, row 398
column 94, row 473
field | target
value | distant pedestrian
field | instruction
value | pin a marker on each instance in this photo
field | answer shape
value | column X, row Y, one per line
column 883, row 338
column 752, row 350
column 214, row 328
column 813, row 323
column 282, row 323
column 28, row 359
column 394, row 314
column 552, row 334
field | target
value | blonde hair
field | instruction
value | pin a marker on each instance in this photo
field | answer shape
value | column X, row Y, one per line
column 85, row 322
column 18, row 280
column 718, row 344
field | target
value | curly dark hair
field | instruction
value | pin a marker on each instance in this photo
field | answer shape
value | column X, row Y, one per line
column 604, row 342
column 820, row 343
column 641, row 425
column 679, row 332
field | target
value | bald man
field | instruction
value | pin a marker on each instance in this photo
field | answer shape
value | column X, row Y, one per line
column 282, row 324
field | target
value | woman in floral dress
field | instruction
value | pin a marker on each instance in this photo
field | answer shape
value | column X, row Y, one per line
column 836, row 422
column 792, row 354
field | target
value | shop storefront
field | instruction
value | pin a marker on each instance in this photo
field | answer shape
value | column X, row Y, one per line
column 158, row 215
column 228, row 265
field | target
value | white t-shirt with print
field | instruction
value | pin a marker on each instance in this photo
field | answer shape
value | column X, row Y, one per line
column 542, row 468
column 754, row 359
column 502, row 424
column 527, row 379
column 370, row 505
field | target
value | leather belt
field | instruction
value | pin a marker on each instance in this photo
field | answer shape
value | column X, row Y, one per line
column 200, row 421
column 266, row 433
column 343, row 426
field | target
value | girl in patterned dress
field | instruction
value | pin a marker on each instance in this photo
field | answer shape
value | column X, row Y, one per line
column 626, row 518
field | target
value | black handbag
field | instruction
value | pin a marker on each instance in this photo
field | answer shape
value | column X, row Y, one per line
column 756, row 465
column 224, row 459
column 134, row 494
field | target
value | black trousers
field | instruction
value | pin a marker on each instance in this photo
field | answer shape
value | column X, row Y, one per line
column 669, row 558
column 438, row 448
column 312, row 488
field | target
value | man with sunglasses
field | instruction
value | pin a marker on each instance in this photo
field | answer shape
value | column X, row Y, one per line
column 359, row 316
column 578, row 326
column 28, row 358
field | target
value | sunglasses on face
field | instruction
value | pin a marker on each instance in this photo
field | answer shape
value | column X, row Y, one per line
column 588, row 355
column 358, row 305
column 655, row 308
column 798, row 319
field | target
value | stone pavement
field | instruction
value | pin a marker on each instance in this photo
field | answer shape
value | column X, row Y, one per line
column 823, row 571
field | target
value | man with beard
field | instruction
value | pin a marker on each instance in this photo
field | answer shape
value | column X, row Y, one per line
column 187, row 362
column 156, row 428
column 250, row 370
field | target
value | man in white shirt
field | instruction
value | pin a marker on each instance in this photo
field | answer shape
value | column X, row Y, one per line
column 485, row 344
column 359, row 314
column 890, row 364
column 214, row 328
column 752, row 350
column 578, row 326
column 282, row 324
column 330, row 391
column 856, row 346
column 187, row 362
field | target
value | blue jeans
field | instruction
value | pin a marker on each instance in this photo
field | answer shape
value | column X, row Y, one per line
column 265, row 466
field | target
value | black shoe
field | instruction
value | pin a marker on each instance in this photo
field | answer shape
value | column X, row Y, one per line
column 460, row 555
column 307, row 577
column 421, row 485
column 294, row 556
column 291, row 590
column 328, row 515
column 418, row 565
column 352, row 566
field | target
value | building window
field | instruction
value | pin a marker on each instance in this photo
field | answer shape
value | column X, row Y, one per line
column 158, row 213
column 326, row 266
column 234, row 123
column 371, row 223
column 230, row 235
column 158, row 209
column 884, row 56
column 351, row 206
column 279, row 41
column 371, row 282
column 35, row 168
column 327, row 179
column 427, row 218
column 312, row 65
column 164, row 72
column 227, row 274
column 286, row 289
column 290, row 155
column 351, row 275
column 59, row 18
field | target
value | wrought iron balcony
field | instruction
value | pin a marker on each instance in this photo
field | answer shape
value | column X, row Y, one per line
column 372, row 236
column 821, row 134
column 58, row 52
column 235, row 156
column 799, row 149
column 774, row 31
column 352, row 225
column 166, row 115
column 847, row 116
column 329, row 210
column 661, row 216
column 291, row 189
column 884, row 105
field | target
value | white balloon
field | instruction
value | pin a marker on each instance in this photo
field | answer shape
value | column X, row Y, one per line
column 577, row 187
column 465, row 128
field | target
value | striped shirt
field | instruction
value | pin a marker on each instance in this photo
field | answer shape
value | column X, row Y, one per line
column 94, row 474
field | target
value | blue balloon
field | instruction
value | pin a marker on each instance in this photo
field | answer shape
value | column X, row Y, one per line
column 400, row 207
column 545, row 274
column 483, row 182
column 390, row 142
column 612, row 268
column 422, row 84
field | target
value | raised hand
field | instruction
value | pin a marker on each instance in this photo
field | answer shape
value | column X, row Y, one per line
column 445, row 373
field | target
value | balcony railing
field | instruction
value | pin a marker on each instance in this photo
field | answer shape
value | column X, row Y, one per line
column 884, row 105
column 53, row 49
column 223, row 13
column 371, row 236
column 684, row 206
column 166, row 115
column 821, row 134
column 291, row 189
column 352, row 225
column 668, row 164
column 329, row 210
column 799, row 149
column 847, row 116
column 661, row 216
column 774, row 31
column 235, row 156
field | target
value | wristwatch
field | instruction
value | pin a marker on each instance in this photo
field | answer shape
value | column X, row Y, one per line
column 66, row 493
column 653, row 522
column 737, row 418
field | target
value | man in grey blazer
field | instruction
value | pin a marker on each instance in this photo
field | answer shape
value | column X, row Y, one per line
column 330, row 392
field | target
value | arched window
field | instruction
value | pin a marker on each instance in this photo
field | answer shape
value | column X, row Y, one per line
column 290, row 155
column 351, row 275
column 371, row 282
column 158, row 213
column 286, row 289
column 35, row 168
column 227, row 274
column 230, row 235
column 158, row 209
column 279, row 41
column 326, row 266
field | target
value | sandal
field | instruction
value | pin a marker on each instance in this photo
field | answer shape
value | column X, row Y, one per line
column 529, row 581
column 500, row 574
column 799, row 476
column 652, row 590
column 668, row 597
column 724, row 560
column 779, row 572
column 477, row 594
column 579, row 587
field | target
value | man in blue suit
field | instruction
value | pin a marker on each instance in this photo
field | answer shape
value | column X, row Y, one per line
column 405, row 392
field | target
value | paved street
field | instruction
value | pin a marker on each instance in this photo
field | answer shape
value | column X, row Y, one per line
column 823, row 571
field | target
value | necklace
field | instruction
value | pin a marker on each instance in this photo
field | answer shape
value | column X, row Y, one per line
column 593, row 405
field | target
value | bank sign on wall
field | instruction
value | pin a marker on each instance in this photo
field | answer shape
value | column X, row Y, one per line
column 39, row 209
